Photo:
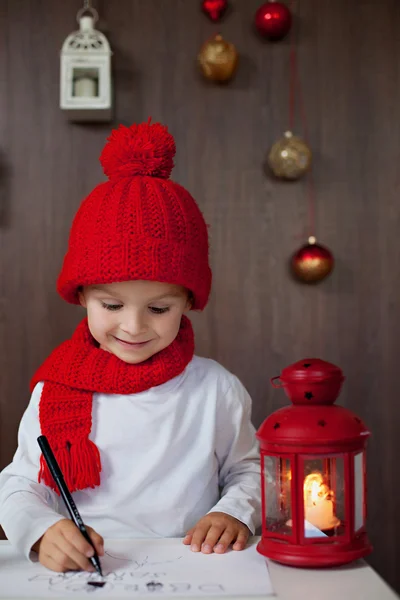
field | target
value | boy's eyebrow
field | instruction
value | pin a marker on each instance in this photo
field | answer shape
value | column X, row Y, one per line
column 166, row 295
column 99, row 288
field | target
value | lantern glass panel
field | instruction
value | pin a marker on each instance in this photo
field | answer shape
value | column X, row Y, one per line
column 324, row 496
column 85, row 82
column 358, row 491
column 278, row 498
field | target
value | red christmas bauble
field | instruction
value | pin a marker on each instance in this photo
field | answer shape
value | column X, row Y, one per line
column 312, row 262
column 214, row 8
column 273, row 20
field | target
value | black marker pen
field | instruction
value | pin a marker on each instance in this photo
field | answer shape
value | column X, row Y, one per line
column 66, row 496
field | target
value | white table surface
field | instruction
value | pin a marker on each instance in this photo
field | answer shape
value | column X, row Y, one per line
column 356, row 581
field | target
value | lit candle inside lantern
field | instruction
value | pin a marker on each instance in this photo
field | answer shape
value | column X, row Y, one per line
column 318, row 503
column 85, row 87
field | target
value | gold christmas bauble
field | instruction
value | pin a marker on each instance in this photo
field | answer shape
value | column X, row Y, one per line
column 218, row 59
column 289, row 157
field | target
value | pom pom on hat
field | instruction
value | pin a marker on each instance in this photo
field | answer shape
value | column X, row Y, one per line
column 139, row 150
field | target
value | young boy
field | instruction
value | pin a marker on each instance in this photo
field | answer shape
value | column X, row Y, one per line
column 152, row 440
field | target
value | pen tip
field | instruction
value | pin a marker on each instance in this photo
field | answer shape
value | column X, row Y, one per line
column 96, row 583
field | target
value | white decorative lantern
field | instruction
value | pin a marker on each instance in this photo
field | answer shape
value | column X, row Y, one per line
column 85, row 77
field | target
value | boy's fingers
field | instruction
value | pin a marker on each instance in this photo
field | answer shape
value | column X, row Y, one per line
column 97, row 540
column 188, row 537
column 74, row 537
column 241, row 540
column 49, row 563
column 214, row 536
column 199, row 535
column 68, row 548
column 63, row 561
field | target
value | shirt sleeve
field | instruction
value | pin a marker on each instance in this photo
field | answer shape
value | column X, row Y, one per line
column 27, row 508
column 238, row 456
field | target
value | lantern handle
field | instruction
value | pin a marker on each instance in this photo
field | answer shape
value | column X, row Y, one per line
column 274, row 384
column 87, row 8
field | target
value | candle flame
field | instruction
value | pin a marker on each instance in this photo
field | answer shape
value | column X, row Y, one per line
column 316, row 490
column 319, row 509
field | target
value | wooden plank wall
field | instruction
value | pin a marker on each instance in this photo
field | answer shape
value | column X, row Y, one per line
column 259, row 320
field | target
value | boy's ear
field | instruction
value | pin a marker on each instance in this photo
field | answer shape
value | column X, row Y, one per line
column 81, row 297
column 189, row 302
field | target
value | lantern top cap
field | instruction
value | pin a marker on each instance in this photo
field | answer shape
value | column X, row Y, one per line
column 313, row 423
column 86, row 23
column 86, row 40
column 311, row 381
column 311, row 369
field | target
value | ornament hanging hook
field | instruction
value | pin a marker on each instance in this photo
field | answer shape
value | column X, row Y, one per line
column 87, row 8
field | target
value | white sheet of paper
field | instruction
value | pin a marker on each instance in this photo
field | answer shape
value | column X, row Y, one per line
column 142, row 569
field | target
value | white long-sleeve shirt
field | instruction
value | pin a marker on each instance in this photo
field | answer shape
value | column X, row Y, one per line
column 169, row 455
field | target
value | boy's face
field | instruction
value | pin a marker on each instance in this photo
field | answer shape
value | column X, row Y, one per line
column 134, row 319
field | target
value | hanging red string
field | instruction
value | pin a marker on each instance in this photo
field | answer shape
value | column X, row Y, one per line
column 312, row 262
column 296, row 96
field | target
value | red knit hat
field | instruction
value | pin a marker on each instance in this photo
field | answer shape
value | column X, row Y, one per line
column 139, row 224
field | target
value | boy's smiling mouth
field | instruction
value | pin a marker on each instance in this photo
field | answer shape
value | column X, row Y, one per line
column 131, row 344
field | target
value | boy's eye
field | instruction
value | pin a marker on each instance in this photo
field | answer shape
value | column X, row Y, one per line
column 111, row 306
column 159, row 311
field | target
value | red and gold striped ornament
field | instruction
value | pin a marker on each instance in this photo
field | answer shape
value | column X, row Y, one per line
column 312, row 262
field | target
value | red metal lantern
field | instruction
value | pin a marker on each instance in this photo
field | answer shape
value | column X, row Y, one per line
column 313, row 473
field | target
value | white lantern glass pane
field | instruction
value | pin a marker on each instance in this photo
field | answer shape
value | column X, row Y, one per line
column 278, row 499
column 324, row 496
column 358, row 491
column 85, row 82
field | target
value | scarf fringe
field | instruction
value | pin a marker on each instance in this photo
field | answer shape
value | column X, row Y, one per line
column 80, row 465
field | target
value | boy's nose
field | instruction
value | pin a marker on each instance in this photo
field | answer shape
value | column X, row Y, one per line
column 134, row 325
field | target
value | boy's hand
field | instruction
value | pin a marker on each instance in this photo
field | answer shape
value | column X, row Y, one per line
column 215, row 532
column 63, row 547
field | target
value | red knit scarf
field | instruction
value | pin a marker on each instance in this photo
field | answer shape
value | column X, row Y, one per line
column 72, row 373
